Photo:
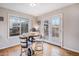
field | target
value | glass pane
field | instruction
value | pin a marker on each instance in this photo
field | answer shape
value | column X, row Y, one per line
column 56, row 20
column 14, row 26
column 46, row 29
column 24, row 26
column 55, row 26
column 55, row 32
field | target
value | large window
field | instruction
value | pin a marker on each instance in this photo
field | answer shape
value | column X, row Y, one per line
column 18, row 25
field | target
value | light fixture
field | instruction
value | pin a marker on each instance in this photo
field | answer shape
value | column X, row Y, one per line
column 32, row 4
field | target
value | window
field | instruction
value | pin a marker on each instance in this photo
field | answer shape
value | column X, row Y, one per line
column 18, row 25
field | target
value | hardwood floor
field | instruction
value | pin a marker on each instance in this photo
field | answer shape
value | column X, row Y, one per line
column 48, row 50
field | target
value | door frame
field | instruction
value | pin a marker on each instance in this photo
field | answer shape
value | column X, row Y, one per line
column 50, row 34
column 61, row 30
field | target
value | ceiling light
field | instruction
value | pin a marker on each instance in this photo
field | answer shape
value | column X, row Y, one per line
column 33, row 4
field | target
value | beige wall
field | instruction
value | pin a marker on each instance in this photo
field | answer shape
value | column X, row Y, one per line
column 4, row 40
column 70, row 25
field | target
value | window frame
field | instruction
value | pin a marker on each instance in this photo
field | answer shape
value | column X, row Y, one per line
column 29, row 23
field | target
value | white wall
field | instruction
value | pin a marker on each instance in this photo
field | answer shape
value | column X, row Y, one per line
column 71, row 28
column 70, row 18
column 4, row 40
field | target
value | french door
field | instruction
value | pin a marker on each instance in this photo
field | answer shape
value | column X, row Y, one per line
column 53, row 30
column 56, row 30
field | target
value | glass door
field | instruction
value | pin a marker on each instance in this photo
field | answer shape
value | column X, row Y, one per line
column 56, row 30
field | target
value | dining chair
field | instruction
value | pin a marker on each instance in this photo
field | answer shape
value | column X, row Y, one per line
column 24, row 46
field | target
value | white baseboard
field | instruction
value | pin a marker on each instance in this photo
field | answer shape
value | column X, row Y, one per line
column 77, row 51
column 71, row 49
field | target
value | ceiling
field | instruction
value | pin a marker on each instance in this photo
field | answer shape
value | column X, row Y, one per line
column 37, row 10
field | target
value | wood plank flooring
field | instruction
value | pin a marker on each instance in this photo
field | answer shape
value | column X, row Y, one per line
column 48, row 50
